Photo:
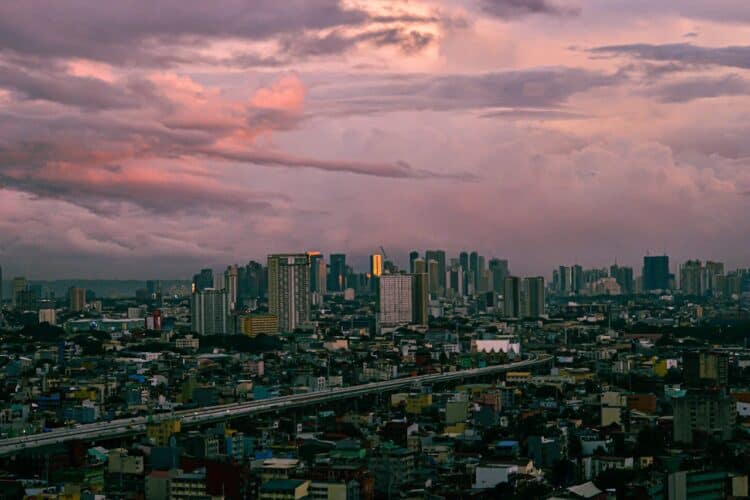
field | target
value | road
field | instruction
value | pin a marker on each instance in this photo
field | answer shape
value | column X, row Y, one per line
column 211, row 414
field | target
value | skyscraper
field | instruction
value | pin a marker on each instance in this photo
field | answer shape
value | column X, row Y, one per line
column 19, row 285
column 317, row 272
column 473, row 267
column 576, row 279
column 208, row 312
column 419, row 266
column 420, row 299
column 337, row 273
column 534, row 300
column 433, row 269
column 712, row 274
column 691, row 274
column 565, row 280
column 1, row 287
column 376, row 264
column 395, row 299
column 512, row 297
column 655, row 272
column 204, row 279
column 76, row 299
column 413, row 255
column 231, row 287
column 624, row 278
column 439, row 257
column 289, row 289
column 499, row 271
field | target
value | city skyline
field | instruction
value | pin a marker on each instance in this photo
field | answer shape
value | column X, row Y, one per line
column 538, row 131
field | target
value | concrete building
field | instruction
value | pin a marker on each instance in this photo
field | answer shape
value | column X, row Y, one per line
column 76, row 299
column 209, row 312
column 395, row 299
column 512, row 297
column 708, row 412
column 256, row 324
column 534, row 300
column 48, row 316
column 289, row 289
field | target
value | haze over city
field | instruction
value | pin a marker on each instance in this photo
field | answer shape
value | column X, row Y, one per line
column 135, row 143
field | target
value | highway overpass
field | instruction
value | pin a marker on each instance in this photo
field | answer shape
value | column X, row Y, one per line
column 211, row 414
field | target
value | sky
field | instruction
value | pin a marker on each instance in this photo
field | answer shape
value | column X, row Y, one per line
column 149, row 139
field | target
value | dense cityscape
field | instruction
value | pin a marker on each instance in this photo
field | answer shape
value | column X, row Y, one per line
column 452, row 378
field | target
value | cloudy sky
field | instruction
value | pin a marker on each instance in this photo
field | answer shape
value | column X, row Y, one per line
column 148, row 139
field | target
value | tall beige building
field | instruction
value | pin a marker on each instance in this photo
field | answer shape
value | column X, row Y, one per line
column 395, row 299
column 76, row 298
column 289, row 289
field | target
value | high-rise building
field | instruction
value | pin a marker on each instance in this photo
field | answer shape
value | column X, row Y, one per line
column 691, row 278
column 712, row 413
column 565, row 280
column 705, row 368
column 48, row 315
column 1, row 287
column 655, row 272
column 512, row 297
column 473, row 271
column 712, row 274
column 317, row 272
column 337, row 273
column 420, row 299
column 395, row 299
column 533, row 294
column 252, row 281
column 289, row 289
column 413, row 255
column 481, row 276
column 439, row 257
column 19, row 285
column 419, row 266
column 577, row 279
column 499, row 271
column 76, row 299
column 433, row 269
column 624, row 278
column 208, row 312
column 231, row 287
column 455, row 280
column 376, row 264
column 204, row 279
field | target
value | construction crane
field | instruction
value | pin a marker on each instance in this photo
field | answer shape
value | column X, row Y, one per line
column 385, row 256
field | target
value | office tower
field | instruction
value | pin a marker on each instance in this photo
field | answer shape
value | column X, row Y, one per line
column 337, row 273
column 565, row 280
column 208, row 312
column 473, row 266
column 455, row 279
column 231, row 285
column 691, row 274
column 655, row 272
column 252, row 281
column 534, row 300
column 433, row 269
column 204, row 279
column 317, row 272
column 499, row 271
column 463, row 259
column 439, row 256
column 376, row 264
column 577, row 279
column 481, row 275
column 395, row 299
column 76, row 299
column 512, row 297
column 289, row 289
column 19, row 285
column 420, row 266
column 712, row 413
column 1, row 287
column 712, row 273
column 705, row 369
column 420, row 299
column 413, row 255
column 624, row 278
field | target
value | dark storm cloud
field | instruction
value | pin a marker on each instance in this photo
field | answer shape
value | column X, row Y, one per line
column 172, row 31
column 685, row 53
column 519, row 8
column 538, row 88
